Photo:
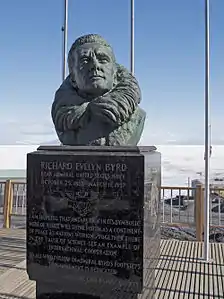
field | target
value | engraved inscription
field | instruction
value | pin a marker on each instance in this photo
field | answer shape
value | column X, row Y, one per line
column 86, row 214
column 67, row 174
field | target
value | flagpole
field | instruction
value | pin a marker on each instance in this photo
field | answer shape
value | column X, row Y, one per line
column 207, row 132
column 132, row 62
column 64, row 30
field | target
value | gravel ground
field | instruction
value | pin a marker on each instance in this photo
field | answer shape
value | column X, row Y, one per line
column 189, row 234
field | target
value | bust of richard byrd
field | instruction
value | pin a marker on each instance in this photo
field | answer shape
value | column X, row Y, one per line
column 97, row 104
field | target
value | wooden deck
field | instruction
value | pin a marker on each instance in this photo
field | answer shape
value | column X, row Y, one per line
column 12, row 249
column 180, row 272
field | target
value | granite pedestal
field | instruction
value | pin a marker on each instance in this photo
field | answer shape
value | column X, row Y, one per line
column 93, row 221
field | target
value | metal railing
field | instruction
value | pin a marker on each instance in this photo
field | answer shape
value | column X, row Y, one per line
column 19, row 198
column 177, row 205
column 2, row 192
column 180, row 206
column 18, row 194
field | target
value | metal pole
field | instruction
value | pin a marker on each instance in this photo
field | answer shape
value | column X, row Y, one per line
column 188, row 182
column 207, row 133
column 64, row 30
column 132, row 36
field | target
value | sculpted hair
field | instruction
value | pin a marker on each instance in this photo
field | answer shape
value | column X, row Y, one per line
column 89, row 38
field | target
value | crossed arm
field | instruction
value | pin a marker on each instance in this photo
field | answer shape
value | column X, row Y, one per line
column 113, row 108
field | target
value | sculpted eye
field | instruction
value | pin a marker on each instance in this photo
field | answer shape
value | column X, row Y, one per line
column 103, row 59
column 84, row 60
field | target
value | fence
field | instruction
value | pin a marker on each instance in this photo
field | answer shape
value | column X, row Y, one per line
column 180, row 206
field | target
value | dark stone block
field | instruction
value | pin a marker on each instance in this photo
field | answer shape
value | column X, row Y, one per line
column 90, row 213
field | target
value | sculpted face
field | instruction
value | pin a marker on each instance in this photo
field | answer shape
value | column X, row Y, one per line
column 94, row 69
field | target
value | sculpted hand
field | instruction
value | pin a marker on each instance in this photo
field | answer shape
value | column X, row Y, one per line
column 107, row 111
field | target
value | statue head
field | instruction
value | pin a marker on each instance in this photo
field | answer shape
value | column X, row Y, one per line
column 92, row 65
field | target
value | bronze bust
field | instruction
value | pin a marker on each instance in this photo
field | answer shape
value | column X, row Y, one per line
column 97, row 104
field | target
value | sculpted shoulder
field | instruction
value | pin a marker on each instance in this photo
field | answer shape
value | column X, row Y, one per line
column 67, row 95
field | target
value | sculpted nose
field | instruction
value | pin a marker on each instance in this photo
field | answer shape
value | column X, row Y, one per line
column 94, row 65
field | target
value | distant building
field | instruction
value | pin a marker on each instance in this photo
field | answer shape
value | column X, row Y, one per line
column 215, row 183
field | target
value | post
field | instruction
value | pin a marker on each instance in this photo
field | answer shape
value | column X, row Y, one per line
column 207, row 135
column 199, row 212
column 65, row 37
column 8, row 200
column 132, row 37
column 189, row 182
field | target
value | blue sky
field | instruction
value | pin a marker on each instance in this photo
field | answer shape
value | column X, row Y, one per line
column 169, row 63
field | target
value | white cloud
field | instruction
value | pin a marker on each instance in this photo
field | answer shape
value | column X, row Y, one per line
column 157, row 135
column 26, row 132
column 14, row 157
